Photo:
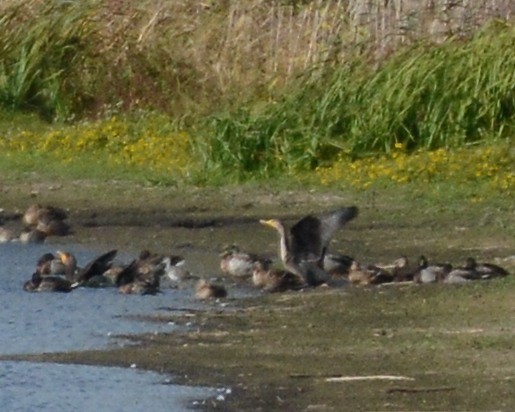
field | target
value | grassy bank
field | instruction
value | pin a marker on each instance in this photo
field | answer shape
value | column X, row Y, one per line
column 151, row 150
column 181, row 93
column 452, row 95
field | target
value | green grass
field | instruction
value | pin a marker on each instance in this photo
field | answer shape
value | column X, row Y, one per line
column 71, row 61
column 450, row 95
column 93, row 166
column 43, row 60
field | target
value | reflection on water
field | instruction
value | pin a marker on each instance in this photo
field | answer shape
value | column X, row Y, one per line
column 52, row 387
column 83, row 319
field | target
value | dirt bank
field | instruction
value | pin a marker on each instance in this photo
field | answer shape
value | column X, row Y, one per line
column 451, row 347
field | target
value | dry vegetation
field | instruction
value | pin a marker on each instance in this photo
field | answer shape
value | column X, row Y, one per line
column 182, row 55
column 256, row 89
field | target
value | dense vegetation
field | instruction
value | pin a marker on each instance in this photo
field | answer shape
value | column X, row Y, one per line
column 200, row 90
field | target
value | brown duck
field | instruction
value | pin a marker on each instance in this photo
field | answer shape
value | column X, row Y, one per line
column 37, row 212
column 141, row 276
column 275, row 280
column 49, row 283
column 368, row 275
column 208, row 290
column 239, row 264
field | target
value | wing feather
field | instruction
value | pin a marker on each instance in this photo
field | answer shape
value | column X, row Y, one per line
column 311, row 235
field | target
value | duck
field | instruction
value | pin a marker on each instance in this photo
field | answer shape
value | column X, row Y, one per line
column 357, row 275
column 141, row 276
column 458, row 276
column 175, row 270
column 36, row 212
column 208, row 290
column 92, row 274
column 138, row 288
column 147, row 256
column 400, row 269
column 275, row 280
column 303, row 247
column 431, row 273
column 31, row 215
column 49, row 220
column 170, row 261
column 368, row 275
column 485, row 270
column 239, row 264
column 337, row 265
column 173, row 266
column 49, row 264
column 69, row 262
column 112, row 274
column 474, row 271
column 53, row 227
column 32, row 236
column 49, row 283
column 6, row 235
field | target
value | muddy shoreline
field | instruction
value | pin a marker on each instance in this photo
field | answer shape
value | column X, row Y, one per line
column 276, row 351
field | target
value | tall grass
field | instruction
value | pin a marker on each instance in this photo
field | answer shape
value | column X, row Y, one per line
column 41, row 55
column 269, row 86
column 425, row 96
column 84, row 57
column 431, row 97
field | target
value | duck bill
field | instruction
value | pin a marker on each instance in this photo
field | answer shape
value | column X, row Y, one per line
column 269, row 223
column 62, row 256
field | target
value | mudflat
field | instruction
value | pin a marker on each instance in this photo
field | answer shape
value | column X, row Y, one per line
column 398, row 347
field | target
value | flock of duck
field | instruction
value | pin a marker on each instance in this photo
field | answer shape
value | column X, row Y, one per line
column 303, row 252
column 306, row 262
column 39, row 223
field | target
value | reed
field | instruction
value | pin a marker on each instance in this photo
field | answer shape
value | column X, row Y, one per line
column 447, row 96
column 42, row 51
column 267, row 87
column 87, row 57
column 425, row 96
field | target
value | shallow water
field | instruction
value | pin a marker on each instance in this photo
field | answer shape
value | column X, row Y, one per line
column 52, row 387
column 86, row 318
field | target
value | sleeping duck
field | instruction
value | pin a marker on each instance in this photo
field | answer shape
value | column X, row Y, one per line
column 485, row 270
column 239, row 264
column 275, row 280
column 208, row 290
column 49, row 283
column 368, row 275
column 433, row 273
